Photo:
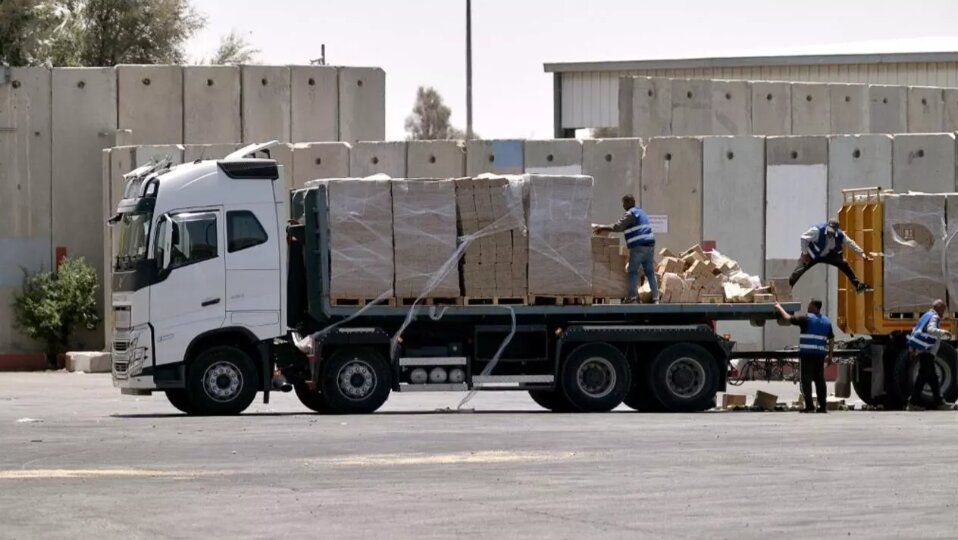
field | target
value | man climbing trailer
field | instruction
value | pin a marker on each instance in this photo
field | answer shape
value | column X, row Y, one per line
column 824, row 243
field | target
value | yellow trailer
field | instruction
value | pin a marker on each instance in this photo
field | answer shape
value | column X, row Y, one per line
column 885, row 376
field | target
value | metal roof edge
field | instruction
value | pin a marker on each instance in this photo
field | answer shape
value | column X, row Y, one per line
column 747, row 61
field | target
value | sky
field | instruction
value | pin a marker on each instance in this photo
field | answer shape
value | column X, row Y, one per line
column 422, row 42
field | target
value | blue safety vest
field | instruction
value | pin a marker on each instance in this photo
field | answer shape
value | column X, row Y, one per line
column 814, row 339
column 918, row 339
column 639, row 234
column 818, row 246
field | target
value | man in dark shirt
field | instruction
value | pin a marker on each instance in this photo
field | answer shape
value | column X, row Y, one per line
column 815, row 346
column 637, row 230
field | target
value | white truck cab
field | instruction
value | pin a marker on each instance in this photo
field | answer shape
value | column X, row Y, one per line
column 199, row 273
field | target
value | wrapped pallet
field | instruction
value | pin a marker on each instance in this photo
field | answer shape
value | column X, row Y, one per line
column 560, row 246
column 610, row 279
column 913, row 245
column 492, row 221
column 424, row 238
column 951, row 250
column 360, row 238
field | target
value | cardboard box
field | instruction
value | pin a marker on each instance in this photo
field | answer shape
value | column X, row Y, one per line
column 765, row 401
column 560, row 235
column 360, row 237
column 781, row 289
column 763, row 298
column 730, row 401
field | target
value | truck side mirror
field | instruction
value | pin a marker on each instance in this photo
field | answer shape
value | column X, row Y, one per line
column 163, row 242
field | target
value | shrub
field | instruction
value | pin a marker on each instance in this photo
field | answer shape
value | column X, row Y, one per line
column 51, row 307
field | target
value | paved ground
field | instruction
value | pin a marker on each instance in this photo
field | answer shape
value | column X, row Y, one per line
column 78, row 460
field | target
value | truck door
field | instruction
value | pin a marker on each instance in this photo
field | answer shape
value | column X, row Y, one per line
column 187, row 298
column 253, row 281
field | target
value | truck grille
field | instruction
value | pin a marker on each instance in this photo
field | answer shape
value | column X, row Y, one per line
column 120, row 368
column 121, row 346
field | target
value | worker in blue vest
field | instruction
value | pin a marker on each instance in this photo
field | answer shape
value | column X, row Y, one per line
column 637, row 230
column 923, row 343
column 824, row 244
column 815, row 345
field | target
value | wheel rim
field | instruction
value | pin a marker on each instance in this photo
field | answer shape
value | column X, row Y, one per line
column 945, row 376
column 223, row 381
column 356, row 379
column 685, row 377
column 596, row 377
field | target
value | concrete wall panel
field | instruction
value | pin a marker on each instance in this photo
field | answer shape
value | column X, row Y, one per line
column 691, row 107
column 265, row 103
column 924, row 163
column 193, row 152
column 554, row 156
column 848, row 108
column 887, row 109
column 312, row 161
column 211, row 105
column 146, row 153
column 362, row 104
column 315, row 103
column 150, row 102
column 796, row 180
column 435, row 159
column 951, row 109
column 368, row 158
column 84, row 120
column 672, row 190
column 731, row 108
column 504, row 156
column 733, row 213
column 771, row 108
column 616, row 167
column 810, row 109
column 926, row 109
column 651, row 107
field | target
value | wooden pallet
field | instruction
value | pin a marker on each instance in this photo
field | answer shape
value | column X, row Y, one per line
column 438, row 301
column 607, row 300
column 495, row 301
column 556, row 300
column 359, row 302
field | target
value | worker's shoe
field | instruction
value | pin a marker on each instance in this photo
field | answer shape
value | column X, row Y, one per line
column 630, row 300
column 822, row 410
column 803, row 411
column 945, row 407
column 914, row 407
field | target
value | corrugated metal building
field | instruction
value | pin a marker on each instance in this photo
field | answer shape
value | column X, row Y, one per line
column 585, row 94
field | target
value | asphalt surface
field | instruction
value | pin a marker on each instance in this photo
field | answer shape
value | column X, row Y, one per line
column 78, row 460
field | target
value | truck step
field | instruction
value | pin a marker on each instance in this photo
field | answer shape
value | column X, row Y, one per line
column 433, row 361
column 491, row 380
column 438, row 301
column 554, row 300
column 359, row 302
column 495, row 301
column 439, row 387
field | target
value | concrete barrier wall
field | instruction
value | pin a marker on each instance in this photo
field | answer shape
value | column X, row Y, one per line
column 924, row 163
column 811, row 110
column 435, row 159
column 150, row 103
column 731, row 108
column 771, row 108
column 926, row 109
column 733, row 213
column 314, row 91
column 887, row 109
column 848, row 108
column 951, row 109
column 554, row 156
column 362, row 104
column 504, row 156
column 369, row 158
column 265, row 103
column 691, row 106
column 312, row 161
column 211, row 105
column 193, row 152
column 645, row 106
column 672, row 190
column 616, row 167
column 796, row 180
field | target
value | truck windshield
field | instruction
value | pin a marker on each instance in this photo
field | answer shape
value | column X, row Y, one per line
column 131, row 237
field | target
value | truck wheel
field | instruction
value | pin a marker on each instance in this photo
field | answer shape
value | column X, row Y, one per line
column 222, row 381
column 355, row 381
column 595, row 377
column 684, row 378
column 862, row 382
column 181, row 400
column 312, row 399
column 906, row 371
column 640, row 396
column 553, row 400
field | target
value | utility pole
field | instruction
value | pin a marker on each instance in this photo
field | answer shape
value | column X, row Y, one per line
column 468, row 69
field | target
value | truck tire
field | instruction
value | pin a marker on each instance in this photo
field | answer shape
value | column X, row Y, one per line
column 906, row 371
column 311, row 399
column 355, row 380
column 684, row 378
column 180, row 399
column 640, row 396
column 595, row 377
column 553, row 400
column 221, row 381
column 862, row 383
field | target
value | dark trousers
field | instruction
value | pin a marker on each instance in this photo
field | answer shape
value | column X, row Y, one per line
column 926, row 375
column 813, row 370
column 834, row 259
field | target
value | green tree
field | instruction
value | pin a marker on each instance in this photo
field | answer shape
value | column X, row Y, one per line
column 234, row 49
column 51, row 307
column 31, row 30
column 430, row 118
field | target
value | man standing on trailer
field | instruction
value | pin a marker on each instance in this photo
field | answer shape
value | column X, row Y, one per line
column 815, row 346
column 824, row 244
column 637, row 231
column 923, row 343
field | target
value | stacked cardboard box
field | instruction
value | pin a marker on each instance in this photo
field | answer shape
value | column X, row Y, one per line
column 914, row 249
column 610, row 278
column 424, row 238
column 360, row 238
column 689, row 278
column 492, row 222
column 560, row 245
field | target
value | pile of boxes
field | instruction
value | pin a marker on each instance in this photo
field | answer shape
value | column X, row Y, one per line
column 360, row 238
column 424, row 238
column 610, row 278
column 560, row 235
